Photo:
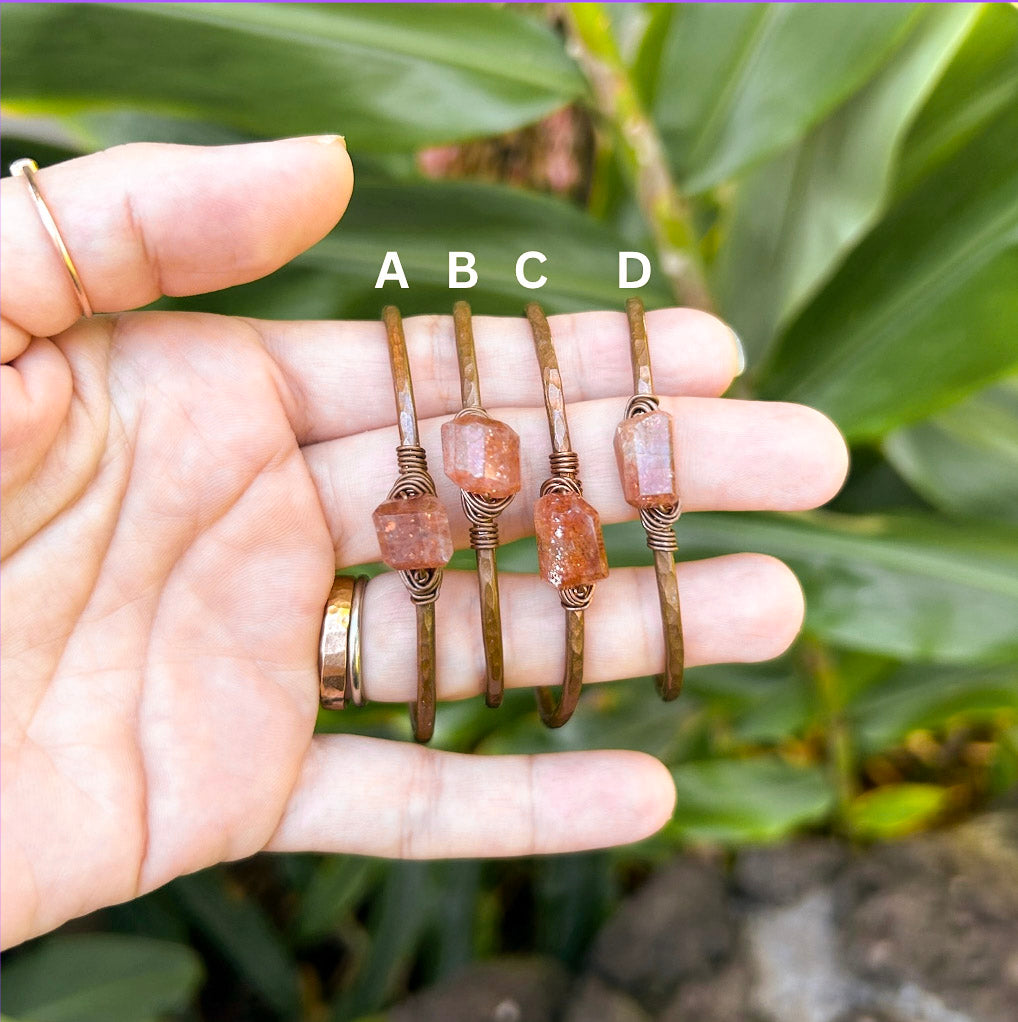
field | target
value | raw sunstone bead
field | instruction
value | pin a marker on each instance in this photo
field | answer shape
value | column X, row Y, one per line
column 481, row 455
column 646, row 458
column 413, row 532
column 570, row 547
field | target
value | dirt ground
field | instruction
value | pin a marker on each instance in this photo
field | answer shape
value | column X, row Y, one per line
column 925, row 930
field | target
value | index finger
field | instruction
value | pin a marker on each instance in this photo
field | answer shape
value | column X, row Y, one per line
column 339, row 379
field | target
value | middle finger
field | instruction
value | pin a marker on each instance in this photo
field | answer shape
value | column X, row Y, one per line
column 730, row 455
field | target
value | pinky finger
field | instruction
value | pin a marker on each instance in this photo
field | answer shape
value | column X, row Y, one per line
column 373, row 797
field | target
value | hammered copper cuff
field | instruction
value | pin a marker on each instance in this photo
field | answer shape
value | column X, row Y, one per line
column 570, row 547
column 413, row 528
column 644, row 450
column 481, row 455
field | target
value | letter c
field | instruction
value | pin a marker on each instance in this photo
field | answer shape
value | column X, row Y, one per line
column 524, row 281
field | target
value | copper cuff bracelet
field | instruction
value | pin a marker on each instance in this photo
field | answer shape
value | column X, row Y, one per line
column 645, row 453
column 570, row 547
column 481, row 455
column 413, row 528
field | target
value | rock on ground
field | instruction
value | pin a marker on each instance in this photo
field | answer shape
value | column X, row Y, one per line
column 925, row 930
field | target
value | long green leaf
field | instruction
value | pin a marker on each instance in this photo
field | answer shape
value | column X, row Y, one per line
column 423, row 221
column 243, row 935
column 912, row 587
column 744, row 800
column 799, row 213
column 923, row 311
column 338, row 884
column 965, row 460
column 980, row 84
column 100, row 978
column 401, row 913
column 388, row 76
column 736, row 83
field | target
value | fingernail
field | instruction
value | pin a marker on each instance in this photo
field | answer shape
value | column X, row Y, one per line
column 330, row 140
column 740, row 354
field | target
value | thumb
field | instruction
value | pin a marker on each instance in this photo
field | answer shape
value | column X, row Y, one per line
column 145, row 220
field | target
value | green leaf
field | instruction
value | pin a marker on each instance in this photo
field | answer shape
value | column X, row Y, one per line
column 388, row 76
column 100, row 978
column 338, row 884
column 244, row 936
column 980, row 84
column 737, row 83
column 401, row 914
column 965, row 460
column 922, row 312
column 921, row 696
column 910, row 586
column 423, row 221
column 802, row 211
column 895, row 810
column 626, row 715
column 744, row 800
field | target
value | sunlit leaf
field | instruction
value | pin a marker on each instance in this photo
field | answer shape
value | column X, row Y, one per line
column 981, row 82
column 923, row 311
column 799, row 213
column 738, row 82
column 895, row 810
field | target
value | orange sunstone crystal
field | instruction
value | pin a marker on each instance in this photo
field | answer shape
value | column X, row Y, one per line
column 481, row 455
column 645, row 455
column 570, row 547
column 413, row 532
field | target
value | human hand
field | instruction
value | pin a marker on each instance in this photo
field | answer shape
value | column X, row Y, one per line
column 178, row 490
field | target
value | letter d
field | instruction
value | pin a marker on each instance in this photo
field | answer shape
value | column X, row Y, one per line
column 624, row 258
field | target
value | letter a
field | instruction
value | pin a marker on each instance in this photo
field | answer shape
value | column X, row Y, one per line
column 392, row 269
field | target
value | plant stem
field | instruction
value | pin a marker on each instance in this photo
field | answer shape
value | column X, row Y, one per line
column 840, row 754
column 641, row 152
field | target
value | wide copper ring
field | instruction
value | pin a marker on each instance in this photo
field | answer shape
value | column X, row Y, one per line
column 570, row 547
column 481, row 455
column 339, row 648
column 645, row 453
column 413, row 528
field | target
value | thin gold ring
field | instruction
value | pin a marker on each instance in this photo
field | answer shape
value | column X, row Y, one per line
column 26, row 168
column 339, row 647
column 413, row 528
column 570, row 547
column 481, row 455
column 645, row 452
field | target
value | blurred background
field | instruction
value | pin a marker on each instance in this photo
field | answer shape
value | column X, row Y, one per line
column 841, row 184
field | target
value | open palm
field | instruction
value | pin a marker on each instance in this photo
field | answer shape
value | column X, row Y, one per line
column 178, row 491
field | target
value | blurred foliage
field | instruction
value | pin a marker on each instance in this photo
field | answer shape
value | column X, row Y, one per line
column 848, row 177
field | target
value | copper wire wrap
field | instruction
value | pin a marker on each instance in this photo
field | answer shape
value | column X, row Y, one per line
column 658, row 522
column 565, row 478
column 423, row 585
column 482, row 513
